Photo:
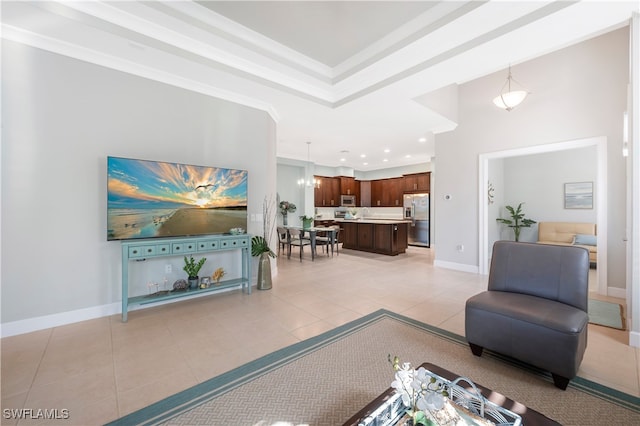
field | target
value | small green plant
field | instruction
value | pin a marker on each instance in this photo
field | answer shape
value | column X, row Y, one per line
column 191, row 267
column 260, row 245
column 517, row 221
column 306, row 218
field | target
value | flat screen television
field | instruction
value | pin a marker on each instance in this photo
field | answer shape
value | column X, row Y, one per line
column 152, row 199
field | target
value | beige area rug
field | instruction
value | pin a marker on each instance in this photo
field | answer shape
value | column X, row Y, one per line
column 327, row 379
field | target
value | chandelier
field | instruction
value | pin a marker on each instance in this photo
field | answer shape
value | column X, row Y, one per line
column 310, row 182
column 511, row 95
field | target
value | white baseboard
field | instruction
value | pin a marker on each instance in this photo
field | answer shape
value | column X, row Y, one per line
column 55, row 320
column 634, row 339
column 457, row 266
column 64, row 318
column 620, row 293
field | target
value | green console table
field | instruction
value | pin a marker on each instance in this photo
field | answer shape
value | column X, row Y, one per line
column 140, row 250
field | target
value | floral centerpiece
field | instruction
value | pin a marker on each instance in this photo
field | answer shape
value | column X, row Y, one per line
column 432, row 400
column 285, row 208
column 421, row 393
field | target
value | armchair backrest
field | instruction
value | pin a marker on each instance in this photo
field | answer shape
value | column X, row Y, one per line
column 553, row 272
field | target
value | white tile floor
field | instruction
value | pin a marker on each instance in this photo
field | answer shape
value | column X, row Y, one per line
column 103, row 369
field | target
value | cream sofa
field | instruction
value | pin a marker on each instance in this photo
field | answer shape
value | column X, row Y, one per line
column 570, row 233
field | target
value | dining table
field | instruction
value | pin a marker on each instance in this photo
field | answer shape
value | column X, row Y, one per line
column 313, row 232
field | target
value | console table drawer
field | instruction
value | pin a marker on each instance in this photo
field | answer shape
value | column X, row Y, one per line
column 208, row 245
column 177, row 248
column 140, row 251
column 148, row 250
column 236, row 243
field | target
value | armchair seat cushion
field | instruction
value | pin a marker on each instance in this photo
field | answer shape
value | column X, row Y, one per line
column 530, row 309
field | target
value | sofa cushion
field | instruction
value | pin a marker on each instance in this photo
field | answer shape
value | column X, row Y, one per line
column 585, row 240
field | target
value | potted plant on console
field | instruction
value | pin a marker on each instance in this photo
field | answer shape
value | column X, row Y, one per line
column 192, row 269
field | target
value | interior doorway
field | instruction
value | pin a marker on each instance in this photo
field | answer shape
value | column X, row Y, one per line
column 600, row 143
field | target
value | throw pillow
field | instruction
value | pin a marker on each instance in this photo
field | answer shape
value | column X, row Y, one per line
column 585, row 240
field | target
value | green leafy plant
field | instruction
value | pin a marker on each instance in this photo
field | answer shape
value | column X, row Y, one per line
column 517, row 221
column 191, row 267
column 259, row 245
column 306, row 218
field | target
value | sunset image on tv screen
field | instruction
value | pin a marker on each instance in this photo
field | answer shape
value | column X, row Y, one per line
column 147, row 199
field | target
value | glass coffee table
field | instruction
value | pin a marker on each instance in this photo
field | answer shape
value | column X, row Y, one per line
column 386, row 410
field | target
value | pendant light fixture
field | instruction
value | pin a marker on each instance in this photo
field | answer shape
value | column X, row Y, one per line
column 310, row 181
column 511, row 95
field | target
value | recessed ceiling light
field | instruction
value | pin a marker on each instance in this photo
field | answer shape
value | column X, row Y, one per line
column 385, row 160
column 365, row 164
column 422, row 140
column 343, row 159
column 386, row 151
column 407, row 156
column 363, row 155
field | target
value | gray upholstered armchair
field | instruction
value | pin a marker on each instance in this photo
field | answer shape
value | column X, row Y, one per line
column 535, row 307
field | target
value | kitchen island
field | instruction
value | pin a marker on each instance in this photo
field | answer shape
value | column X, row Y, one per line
column 384, row 236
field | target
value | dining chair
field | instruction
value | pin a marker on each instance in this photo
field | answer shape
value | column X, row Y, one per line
column 282, row 238
column 296, row 239
column 325, row 240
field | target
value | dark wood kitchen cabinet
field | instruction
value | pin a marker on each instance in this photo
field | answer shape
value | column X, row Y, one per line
column 418, row 182
column 388, row 238
column 387, row 192
column 377, row 191
column 394, row 192
column 328, row 193
column 350, row 235
column 349, row 186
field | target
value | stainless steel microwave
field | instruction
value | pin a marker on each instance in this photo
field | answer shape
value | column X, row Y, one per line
column 348, row 200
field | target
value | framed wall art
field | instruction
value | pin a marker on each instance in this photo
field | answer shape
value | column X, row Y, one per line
column 578, row 195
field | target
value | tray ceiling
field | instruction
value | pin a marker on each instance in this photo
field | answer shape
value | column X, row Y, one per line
column 352, row 77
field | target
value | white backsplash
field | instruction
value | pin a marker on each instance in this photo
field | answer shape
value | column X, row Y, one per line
column 327, row 213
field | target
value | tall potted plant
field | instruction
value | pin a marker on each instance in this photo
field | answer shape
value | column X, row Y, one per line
column 517, row 221
column 260, row 247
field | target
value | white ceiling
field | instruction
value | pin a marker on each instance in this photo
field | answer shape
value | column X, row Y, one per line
column 352, row 77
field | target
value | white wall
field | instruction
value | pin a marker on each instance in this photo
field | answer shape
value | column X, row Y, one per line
column 289, row 190
column 538, row 181
column 496, row 204
column 61, row 119
column 576, row 93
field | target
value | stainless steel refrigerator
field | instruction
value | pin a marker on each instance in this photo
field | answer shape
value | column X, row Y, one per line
column 416, row 208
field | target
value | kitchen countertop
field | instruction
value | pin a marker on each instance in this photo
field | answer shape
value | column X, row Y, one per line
column 372, row 220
